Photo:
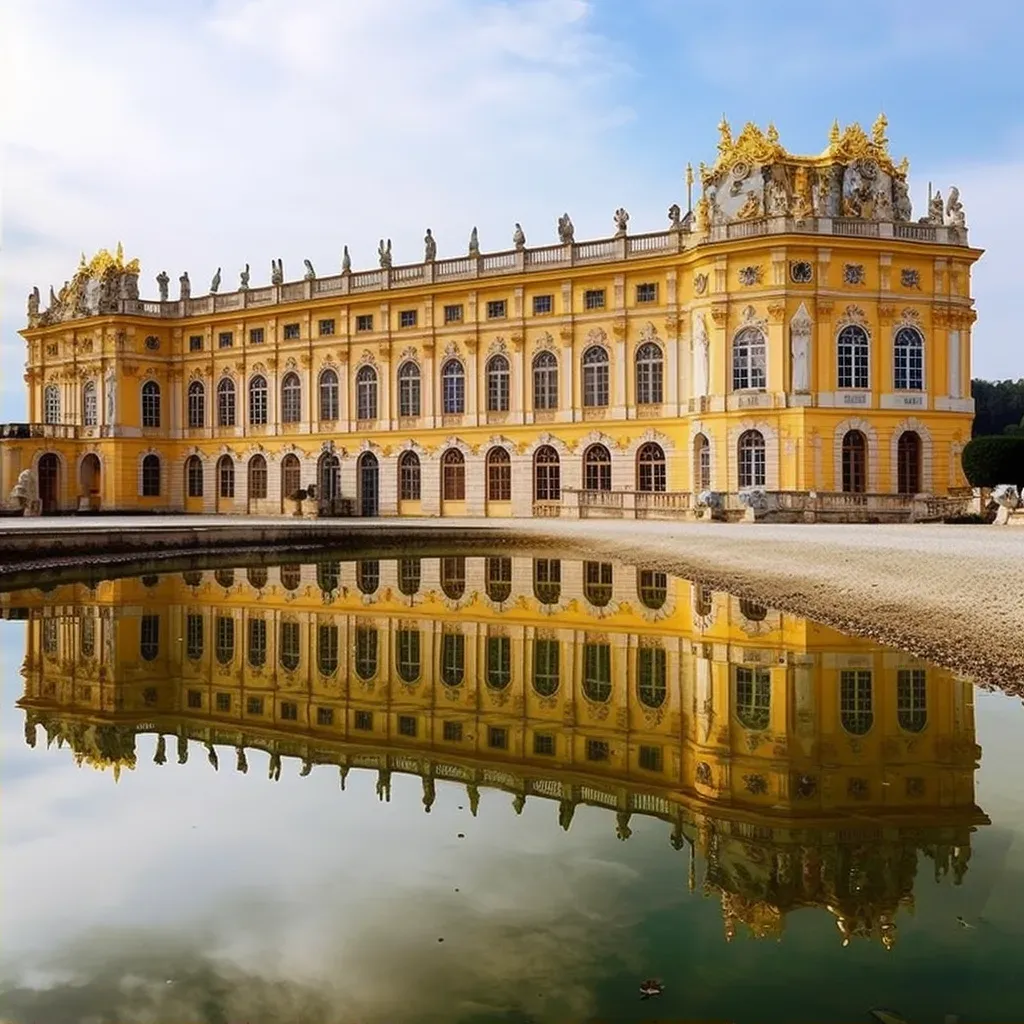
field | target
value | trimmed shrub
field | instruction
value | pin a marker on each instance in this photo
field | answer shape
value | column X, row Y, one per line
column 990, row 461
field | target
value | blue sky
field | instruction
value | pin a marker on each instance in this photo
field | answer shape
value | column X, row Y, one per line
column 219, row 132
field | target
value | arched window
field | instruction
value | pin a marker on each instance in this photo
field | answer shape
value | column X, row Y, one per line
column 257, row 576
column 595, row 377
column 453, row 659
column 225, row 648
column 151, row 476
column 703, row 600
column 410, row 573
column 226, row 403
column 597, row 583
column 453, row 388
column 752, row 611
column 701, row 464
column 89, row 405
column 409, row 477
column 407, row 655
column 651, row 676
column 751, row 459
column 748, row 360
column 291, row 475
column 291, row 398
column 408, row 389
column 498, row 579
column 194, row 476
column 256, row 652
column 547, row 580
column 328, row 395
column 149, row 637
column 908, row 463
column 366, row 652
column 852, row 353
column 911, row 699
column 499, row 475
column 650, row 467
column 453, row 577
column 195, row 639
column 291, row 576
column 597, row 671
column 499, row 662
column 652, row 588
column 328, row 576
column 855, row 461
column 498, row 384
column 196, row 405
column 366, row 393
column 151, row 404
column 51, row 404
column 225, row 578
column 753, row 698
column 368, row 575
column 328, row 476
column 327, row 649
column 453, row 476
column 855, row 701
column 258, row 477
column 225, row 477
column 545, row 381
column 258, row 401
column 547, row 477
column 192, row 578
column 290, row 646
column 649, row 374
column 546, row 663
column 597, row 468
column 908, row 360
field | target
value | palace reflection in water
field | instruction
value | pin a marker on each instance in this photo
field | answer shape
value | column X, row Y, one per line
column 796, row 766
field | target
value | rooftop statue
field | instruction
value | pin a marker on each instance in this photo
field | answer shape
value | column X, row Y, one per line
column 33, row 303
column 621, row 220
column 519, row 237
column 215, row 283
column 384, row 254
column 566, row 231
column 162, row 281
column 474, row 243
column 935, row 210
column 277, row 272
column 346, row 261
column 429, row 248
column 243, row 279
column 674, row 217
column 310, row 272
column 955, row 209
column 186, row 287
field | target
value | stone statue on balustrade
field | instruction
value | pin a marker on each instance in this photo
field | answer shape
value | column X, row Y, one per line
column 754, row 500
column 474, row 243
column 566, row 231
column 215, row 283
column 519, row 237
column 621, row 220
column 675, row 222
column 429, row 247
column 243, row 279
column 936, row 214
column 25, row 493
column 276, row 272
column 902, row 209
column 384, row 254
column 162, row 282
column 310, row 274
column 186, row 287
column 33, row 304
column 346, row 261
column 955, row 209
column 710, row 499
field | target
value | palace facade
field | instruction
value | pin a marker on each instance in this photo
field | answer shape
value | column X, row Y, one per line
column 796, row 335
column 799, row 767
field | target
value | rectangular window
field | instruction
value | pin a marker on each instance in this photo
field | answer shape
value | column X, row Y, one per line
column 325, row 716
column 225, row 339
column 195, row 343
column 593, row 298
column 256, row 336
column 195, row 698
column 363, row 721
column 497, row 737
column 289, row 711
column 407, row 318
column 292, row 332
column 364, row 322
column 597, row 750
column 650, row 758
column 453, row 314
column 254, row 706
column 544, row 744
column 452, row 732
column 646, row 292
column 406, row 725
column 496, row 309
column 224, row 702
column 543, row 304
column 326, row 328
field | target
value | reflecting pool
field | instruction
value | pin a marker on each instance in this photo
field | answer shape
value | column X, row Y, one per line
column 491, row 789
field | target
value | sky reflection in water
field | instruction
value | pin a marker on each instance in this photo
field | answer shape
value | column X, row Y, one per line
column 181, row 893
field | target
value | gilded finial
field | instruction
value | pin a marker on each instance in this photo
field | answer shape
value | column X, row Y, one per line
column 878, row 132
column 689, row 174
column 834, row 135
column 119, row 256
column 82, row 264
column 773, row 133
column 725, row 136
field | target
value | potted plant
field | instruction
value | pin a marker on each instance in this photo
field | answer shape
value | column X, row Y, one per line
column 296, row 498
column 310, row 504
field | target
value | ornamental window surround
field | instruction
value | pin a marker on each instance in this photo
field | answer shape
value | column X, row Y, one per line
column 291, row 398
column 328, row 389
column 650, row 374
column 749, row 360
column 852, row 357
column 752, row 461
column 226, row 403
column 409, row 389
column 51, row 404
column 545, row 381
column 366, row 393
column 453, row 388
column 258, row 401
column 498, row 384
column 595, row 378
column 908, row 360
column 196, row 405
column 89, row 404
column 151, row 404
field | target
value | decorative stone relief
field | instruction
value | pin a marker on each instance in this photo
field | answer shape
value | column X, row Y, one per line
column 545, row 341
column 700, row 283
column 801, row 272
column 910, row 278
column 596, row 336
column 703, row 773
column 756, row 784
column 851, row 315
column 751, row 275
column 853, row 273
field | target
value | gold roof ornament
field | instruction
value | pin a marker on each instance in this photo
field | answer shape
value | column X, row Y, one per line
column 853, row 143
column 752, row 146
column 104, row 261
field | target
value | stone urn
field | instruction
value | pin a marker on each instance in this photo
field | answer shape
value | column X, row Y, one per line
column 310, row 508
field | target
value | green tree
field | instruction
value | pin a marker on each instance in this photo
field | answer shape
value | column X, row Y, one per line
column 997, row 405
column 989, row 461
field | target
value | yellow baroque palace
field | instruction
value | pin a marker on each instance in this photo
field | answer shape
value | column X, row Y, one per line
column 801, row 767
column 795, row 335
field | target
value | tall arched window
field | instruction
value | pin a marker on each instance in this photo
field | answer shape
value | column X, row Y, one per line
column 225, row 647
column 149, row 637
column 701, row 464
column 753, row 698
column 498, row 384
column 499, row 662
column 453, row 577
column 408, row 389
column 258, row 401
column 852, row 347
column 597, row 468
column 651, row 676
column 748, row 360
column 366, row 652
column 409, row 477
column 752, row 611
column 151, row 404
column 328, row 576
column 649, row 374
column 498, row 579
column 366, row 393
column 328, row 477
column 256, row 652
column 226, row 403
column 453, row 388
column 453, row 476
column 499, row 475
column 652, row 588
column 908, row 360
column 855, row 462
column 328, row 395
column 291, row 475
column 908, row 463
column 410, row 574
column 89, row 404
column 751, row 459
column 291, row 576
column 408, row 659
column 327, row 649
column 258, row 477
column 546, row 664
column 598, row 582
column 291, row 398
column 196, row 405
column 257, row 575
column 597, row 671
column 547, row 580
column 911, row 699
column 290, row 646
column 595, row 377
column 368, row 575
column 151, row 476
column 225, row 477
column 650, row 467
column 856, row 712
column 545, row 381
column 51, row 404
column 194, row 476
column 547, row 475
column 453, row 659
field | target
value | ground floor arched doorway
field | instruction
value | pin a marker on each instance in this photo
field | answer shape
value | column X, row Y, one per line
column 908, row 463
column 49, row 483
column 89, row 474
column 369, row 484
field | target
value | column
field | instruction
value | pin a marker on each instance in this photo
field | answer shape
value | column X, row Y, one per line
column 427, row 387
column 518, row 384
column 953, row 361
column 620, row 370
column 672, row 370
column 567, row 405
column 344, row 382
column 473, row 416
column 384, row 385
